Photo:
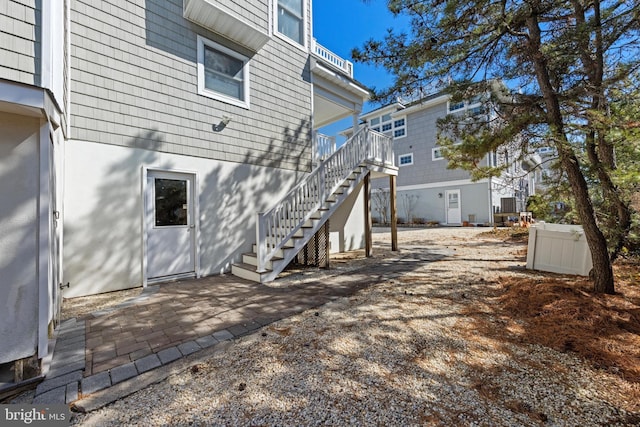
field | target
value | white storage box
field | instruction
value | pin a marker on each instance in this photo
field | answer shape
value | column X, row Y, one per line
column 558, row 248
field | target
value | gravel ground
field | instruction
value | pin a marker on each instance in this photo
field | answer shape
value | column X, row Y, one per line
column 80, row 306
column 403, row 352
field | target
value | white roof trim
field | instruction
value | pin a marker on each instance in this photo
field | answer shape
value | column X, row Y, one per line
column 214, row 16
column 426, row 104
column 392, row 108
column 340, row 80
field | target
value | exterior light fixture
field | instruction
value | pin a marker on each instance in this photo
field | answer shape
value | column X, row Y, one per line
column 223, row 124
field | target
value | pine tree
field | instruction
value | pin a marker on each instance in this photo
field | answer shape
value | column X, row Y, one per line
column 558, row 64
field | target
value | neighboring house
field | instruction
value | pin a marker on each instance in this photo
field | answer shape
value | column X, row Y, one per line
column 546, row 174
column 430, row 192
column 176, row 123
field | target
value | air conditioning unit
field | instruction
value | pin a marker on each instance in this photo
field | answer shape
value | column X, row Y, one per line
column 508, row 204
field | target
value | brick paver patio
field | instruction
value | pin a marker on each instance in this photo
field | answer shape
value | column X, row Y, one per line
column 170, row 321
column 181, row 312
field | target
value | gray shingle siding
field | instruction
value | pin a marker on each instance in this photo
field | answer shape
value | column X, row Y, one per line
column 19, row 41
column 420, row 140
column 134, row 83
column 254, row 12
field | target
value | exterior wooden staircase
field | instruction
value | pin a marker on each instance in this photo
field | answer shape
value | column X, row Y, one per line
column 287, row 227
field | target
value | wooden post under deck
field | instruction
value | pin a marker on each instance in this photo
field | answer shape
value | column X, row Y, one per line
column 394, row 213
column 368, row 225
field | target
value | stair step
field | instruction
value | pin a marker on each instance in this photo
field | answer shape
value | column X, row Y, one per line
column 248, row 272
column 279, row 252
column 251, row 258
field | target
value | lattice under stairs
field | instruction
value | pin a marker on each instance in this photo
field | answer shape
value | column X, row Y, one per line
column 284, row 230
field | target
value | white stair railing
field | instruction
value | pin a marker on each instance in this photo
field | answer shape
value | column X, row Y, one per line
column 275, row 227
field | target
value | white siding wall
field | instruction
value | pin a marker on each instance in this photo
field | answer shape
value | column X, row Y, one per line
column 347, row 225
column 19, row 189
column 103, row 205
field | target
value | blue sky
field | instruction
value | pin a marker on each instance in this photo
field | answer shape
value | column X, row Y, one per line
column 341, row 25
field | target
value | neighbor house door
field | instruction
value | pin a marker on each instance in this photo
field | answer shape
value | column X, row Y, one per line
column 170, row 217
column 454, row 212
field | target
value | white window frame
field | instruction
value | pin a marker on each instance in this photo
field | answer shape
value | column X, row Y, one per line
column 204, row 91
column 435, row 150
column 285, row 37
column 400, row 156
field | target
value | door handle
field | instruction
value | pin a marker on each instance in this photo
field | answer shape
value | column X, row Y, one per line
column 192, row 226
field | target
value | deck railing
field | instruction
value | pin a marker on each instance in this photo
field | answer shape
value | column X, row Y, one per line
column 279, row 224
column 332, row 58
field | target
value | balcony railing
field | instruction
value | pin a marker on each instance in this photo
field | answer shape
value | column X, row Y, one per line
column 324, row 146
column 331, row 58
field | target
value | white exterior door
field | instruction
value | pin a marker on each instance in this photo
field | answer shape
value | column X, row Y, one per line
column 454, row 212
column 170, row 218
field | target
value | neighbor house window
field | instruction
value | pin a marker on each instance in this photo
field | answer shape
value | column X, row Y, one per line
column 399, row 128
column 375, row 124
column 387, row 125
column 223, row 74
column 474, row 106
column 436, row 154
column 394, row 127
column 290, row 19
column 456, row 106
column 406, row 159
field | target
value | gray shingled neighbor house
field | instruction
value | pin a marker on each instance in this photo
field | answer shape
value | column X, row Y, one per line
column 149, row 140
column 429, row 192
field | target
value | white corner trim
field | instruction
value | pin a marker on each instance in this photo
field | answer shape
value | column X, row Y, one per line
column 44, row 240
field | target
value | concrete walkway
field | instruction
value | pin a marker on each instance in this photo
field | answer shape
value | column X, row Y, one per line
column 115, row 352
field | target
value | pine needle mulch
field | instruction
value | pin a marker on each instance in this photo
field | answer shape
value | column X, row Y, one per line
column 567, row 316
column 562, row 312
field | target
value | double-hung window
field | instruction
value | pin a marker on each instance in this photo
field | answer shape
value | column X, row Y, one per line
column 387, row 125
column 405, row 159
column 223, row 74
column 375, row 124
column 291, row 19
column 399, row 128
